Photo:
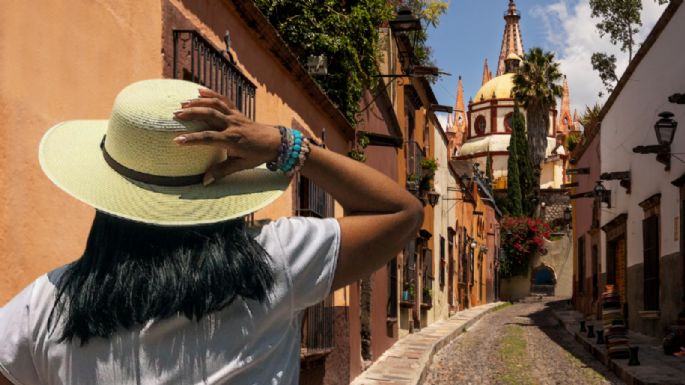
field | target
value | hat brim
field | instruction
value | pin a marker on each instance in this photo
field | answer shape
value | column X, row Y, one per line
column 71, row 157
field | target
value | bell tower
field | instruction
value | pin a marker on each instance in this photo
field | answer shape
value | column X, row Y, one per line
column 511, row 41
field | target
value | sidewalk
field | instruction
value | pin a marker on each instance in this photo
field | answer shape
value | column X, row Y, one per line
column 655, row 367
column 407, row 361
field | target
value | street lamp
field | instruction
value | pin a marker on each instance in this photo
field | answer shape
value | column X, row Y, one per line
column 665, row 128
column 665, row 131
column 405, row 21
column 433, row 197
column 602, row 194
column 567, row 214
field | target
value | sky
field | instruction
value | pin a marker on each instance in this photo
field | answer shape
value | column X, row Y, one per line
column 472, row 30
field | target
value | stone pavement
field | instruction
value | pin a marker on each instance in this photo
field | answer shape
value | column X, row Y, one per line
column 655, row 367
column 407, row 361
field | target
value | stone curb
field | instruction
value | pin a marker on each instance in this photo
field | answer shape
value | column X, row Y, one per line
column 408, row 360
column 650, row 372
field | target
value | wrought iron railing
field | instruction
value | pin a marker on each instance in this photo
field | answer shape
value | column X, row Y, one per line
column 409, row 273
column 427, row 290
column 317, row 329
column 415, row 155
column 312, row 200
column 197, row 60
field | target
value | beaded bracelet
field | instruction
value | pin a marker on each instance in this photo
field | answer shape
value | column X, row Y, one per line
column 292, row 152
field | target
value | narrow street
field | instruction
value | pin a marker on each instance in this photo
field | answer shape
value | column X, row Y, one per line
column 520, row 344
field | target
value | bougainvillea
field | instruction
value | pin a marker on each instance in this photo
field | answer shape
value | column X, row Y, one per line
column 522, row 237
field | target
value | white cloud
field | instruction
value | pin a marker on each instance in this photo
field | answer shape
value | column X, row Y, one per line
column 571, row 33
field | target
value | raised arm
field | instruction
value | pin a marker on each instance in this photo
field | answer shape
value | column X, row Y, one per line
column 381, row 217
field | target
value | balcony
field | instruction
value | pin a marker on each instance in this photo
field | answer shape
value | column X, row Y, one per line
column 197, row 60
column 415, row 155
column 317, row 330
column 312, row 201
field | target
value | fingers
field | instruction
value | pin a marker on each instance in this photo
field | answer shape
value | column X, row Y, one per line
column 207, row 93
column 227, row 167
column 214, row 103
column 209, row 115
column 209, row 138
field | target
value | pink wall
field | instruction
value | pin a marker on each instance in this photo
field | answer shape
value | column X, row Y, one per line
column 582, row 219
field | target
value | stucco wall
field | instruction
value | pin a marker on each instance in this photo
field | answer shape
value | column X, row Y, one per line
column 629, row 123
column 60, row 60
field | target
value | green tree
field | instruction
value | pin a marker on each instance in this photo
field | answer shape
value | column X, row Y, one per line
column 605, row 65
column 525, row 167
column 345, row 32
column 590, row 117
column 536, row 87
column 619, row 19
column 513, row 204
column 429, row 11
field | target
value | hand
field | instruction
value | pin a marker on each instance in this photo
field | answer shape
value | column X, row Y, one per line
column 248, row 143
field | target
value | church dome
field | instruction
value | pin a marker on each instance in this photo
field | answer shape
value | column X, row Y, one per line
column 501, row 86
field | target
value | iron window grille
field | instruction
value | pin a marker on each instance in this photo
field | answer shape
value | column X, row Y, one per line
column 415, row 155
column 392, row 289
column 312, row 200
column 317, row 329
column 197, row 60
column 428, row 277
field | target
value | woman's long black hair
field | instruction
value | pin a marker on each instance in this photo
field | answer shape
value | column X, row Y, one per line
column 132, row 272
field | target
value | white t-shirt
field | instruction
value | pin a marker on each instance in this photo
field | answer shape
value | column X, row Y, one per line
column 246, row 343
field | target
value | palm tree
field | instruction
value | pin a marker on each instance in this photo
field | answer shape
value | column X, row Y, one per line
column 590, row 118
column 536, row 87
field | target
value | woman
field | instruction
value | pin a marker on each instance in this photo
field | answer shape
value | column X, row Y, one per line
column 172, row 288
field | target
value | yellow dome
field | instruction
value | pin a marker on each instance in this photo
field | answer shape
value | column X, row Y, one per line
column 501, row 86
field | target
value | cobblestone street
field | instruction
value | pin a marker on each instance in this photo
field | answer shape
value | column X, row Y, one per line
column 520, row 344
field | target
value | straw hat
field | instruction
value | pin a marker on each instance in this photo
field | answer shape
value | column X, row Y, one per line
column 129, row 165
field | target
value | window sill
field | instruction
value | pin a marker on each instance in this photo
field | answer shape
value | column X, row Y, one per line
column 406, row 303
column 391, row 320
column 649, row 314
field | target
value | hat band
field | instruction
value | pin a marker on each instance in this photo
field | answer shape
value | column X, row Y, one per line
column 160, row 180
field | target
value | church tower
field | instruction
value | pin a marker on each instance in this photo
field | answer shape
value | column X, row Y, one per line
column 511, row 40
column 487, row 75
column 456, row 133
column 566, row 121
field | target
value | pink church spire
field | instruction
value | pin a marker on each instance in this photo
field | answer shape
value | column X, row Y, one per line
column 511, row 41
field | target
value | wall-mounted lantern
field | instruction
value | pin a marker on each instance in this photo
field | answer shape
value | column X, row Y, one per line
column 405, row 21
column 433, row 197
column 568, row 214
column 602, row 194
column 665, row 129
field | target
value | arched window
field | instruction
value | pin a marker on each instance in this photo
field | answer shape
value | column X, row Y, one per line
column 508, row 123
column 480, row 124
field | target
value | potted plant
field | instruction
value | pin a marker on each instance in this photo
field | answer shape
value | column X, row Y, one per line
column 427, row 295
column 408, row 292
column 413, row 181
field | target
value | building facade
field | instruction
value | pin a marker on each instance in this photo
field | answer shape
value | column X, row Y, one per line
column 641, row 217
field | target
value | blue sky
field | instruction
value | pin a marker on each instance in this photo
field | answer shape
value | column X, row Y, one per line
column 471, row 31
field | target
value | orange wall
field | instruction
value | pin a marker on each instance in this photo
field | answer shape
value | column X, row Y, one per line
column 60, row 60
column 68, row 60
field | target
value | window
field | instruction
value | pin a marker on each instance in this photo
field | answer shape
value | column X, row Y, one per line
column 312, row 201
column 650, row 237
column 451, row 265
column 392, row 288
column 427, row 276
column 508, row 121
column 581, row 264
column 442, row 262
column 197, row 60
column 480, row 124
